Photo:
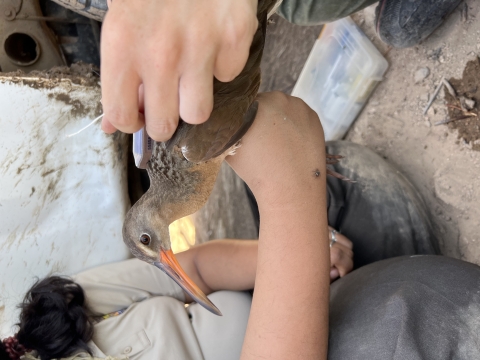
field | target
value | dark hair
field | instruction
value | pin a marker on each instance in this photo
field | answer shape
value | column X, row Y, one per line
column 3, row 352
column 54, row 319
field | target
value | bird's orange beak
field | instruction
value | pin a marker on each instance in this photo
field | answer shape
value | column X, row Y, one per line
column 169, row 264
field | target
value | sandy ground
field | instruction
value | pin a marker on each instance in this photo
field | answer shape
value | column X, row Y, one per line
column 443, row 167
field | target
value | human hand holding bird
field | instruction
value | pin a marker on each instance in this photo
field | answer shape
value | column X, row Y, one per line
column 174, row 48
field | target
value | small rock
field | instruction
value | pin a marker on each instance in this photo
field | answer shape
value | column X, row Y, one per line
column 466, row 103
column 431, row 111
column 469, row 104
column 428, row 123
column 421, row 74
column 441, row 59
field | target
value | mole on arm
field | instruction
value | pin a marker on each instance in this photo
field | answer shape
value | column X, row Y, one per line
column 316, row 173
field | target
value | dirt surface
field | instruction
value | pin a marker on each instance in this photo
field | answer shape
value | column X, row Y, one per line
column 79, row 74
column 286, row 50
column 463, row 105
column 439, row 160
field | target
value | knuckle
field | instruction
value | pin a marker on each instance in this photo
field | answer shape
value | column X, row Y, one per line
column 161, row 129
column 166, row 53
column 239, row 32
column 335, row 255
column 122, row 120
column 166, row 61
column 197, row 117
column 233, row 34
column 200, row 37
column 199, row 111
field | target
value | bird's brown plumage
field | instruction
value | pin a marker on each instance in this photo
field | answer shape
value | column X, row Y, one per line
column 232, row 112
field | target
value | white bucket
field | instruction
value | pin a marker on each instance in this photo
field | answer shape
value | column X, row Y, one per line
column 62, row 200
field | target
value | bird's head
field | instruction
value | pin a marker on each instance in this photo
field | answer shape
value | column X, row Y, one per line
column 146, row 234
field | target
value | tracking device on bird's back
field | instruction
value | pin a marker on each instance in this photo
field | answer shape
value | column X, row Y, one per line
column 142, row 148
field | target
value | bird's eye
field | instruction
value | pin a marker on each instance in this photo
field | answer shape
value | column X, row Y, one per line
column 145, row 239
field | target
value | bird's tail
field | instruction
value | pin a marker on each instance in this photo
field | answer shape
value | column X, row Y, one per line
column 333, row 159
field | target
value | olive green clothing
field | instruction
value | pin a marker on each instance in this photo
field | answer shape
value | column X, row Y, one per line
column 315, row 12
column 155, row 323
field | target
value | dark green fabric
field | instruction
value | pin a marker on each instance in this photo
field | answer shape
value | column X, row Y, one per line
column 315, row 12
column 382, row 213
column 407, row 308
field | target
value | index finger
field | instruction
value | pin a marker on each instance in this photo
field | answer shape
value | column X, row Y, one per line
column 120, row 82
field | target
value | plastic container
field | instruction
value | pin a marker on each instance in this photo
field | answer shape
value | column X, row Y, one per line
column 341, row 72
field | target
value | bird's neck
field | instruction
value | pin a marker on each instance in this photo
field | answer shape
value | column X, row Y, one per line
column 180, row 187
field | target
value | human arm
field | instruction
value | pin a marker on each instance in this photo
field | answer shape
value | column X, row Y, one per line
column 173, row 48
column 215, row 265
column 231, row 264
column 221, row 265
column 282, row 159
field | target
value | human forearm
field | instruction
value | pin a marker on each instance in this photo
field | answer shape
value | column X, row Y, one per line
column 221, row 265
column 282, row 159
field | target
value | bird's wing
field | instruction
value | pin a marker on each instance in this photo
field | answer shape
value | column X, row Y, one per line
column 221, row 132
column 234, row 109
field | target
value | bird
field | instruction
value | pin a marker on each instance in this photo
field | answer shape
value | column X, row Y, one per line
column 183, row 170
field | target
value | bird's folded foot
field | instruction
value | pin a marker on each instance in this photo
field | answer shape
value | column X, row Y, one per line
column 333, row 159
